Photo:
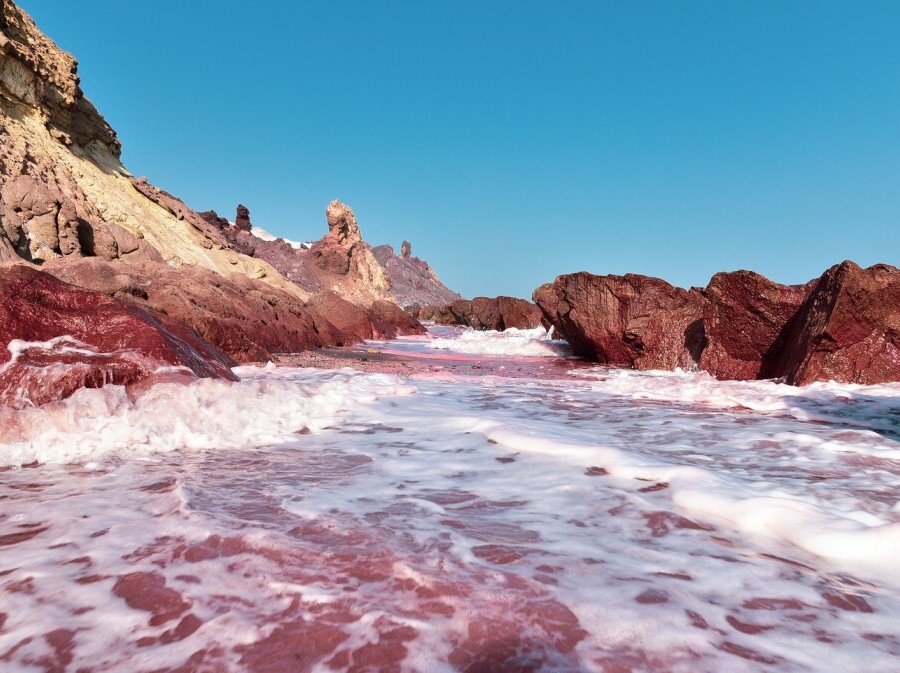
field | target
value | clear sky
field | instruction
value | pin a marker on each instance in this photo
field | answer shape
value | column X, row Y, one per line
column 511, row 141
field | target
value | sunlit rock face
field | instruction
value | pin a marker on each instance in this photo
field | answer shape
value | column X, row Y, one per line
column 63, row 189
column 629, row 321
column 848, row 329
column 59, row 338
column 843, row 327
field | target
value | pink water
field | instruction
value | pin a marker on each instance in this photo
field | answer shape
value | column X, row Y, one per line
column 304, row 520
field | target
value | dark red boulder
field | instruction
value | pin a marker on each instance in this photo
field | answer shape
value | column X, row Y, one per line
column 746, row 322
column 848, row 329
column 57, row 338
column 628, row 321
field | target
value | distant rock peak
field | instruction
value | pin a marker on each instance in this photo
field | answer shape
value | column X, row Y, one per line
column 342, row 223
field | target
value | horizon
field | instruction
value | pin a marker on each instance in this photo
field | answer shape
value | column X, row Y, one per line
column 534, row 141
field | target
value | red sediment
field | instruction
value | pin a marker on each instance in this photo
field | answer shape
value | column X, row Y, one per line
column 747, row 653
column 596, row 472
column 747, row 627
column 773, row 604
column 847, row 601
column 21, row 536
column 652, row 597
column 147, row 591
column 662, row 523
column 497, row 554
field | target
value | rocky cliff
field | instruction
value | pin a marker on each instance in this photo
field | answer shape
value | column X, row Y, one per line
column 63, row 189
column 125, row 268
column 413, row 281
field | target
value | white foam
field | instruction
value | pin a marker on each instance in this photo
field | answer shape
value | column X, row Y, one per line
column 644, row 522
column 510, row 343
column 204, row 414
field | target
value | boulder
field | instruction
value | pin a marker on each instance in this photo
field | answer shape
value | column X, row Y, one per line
column 58, row 338
column 746, row 322
column 847, row 330
column 406, row 250
column 628, row 321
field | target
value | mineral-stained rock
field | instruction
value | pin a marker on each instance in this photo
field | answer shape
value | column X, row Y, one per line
column 629, row 321
column 406, row 250
column 340, row 261
column 391, row 319
column 848, row 329
column 483, row 313
column 57, row 338
column 746, row 322
column 242, row 218
column 245, row 318
column 413, row 281
column 378, row 322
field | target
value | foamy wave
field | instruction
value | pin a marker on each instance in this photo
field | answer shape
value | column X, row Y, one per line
column 508, row 343
column 852, row 539
column 873, row 407
column 204, row 414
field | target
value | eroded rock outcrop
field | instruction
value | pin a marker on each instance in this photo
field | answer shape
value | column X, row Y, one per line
column 413, row 281
column 483, row 313
column 383, row 320
column 59, row 338
column 845, row 326
column 848, row 329
column 628, row 321
column 746, row 322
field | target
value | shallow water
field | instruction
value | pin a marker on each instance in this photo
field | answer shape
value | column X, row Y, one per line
column 304, row 520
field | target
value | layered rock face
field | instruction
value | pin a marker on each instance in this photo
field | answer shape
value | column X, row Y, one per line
column 843, row 327
column 483, row 313
column 63, row 189
column 105, row 341
column 413, row 281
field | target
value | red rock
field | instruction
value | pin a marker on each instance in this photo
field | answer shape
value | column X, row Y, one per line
column 483, row 313
column 413, row 281
column 245, row 318
column 70, row 338
column 628, row 321
column 242, row 218
column 848, row 330
column 384, row 320
column 746, row 322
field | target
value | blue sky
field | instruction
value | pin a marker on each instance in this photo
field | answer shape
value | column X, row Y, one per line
column 511, row 141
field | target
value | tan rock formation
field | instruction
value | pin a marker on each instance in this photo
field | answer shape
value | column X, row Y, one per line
column 63, row 188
